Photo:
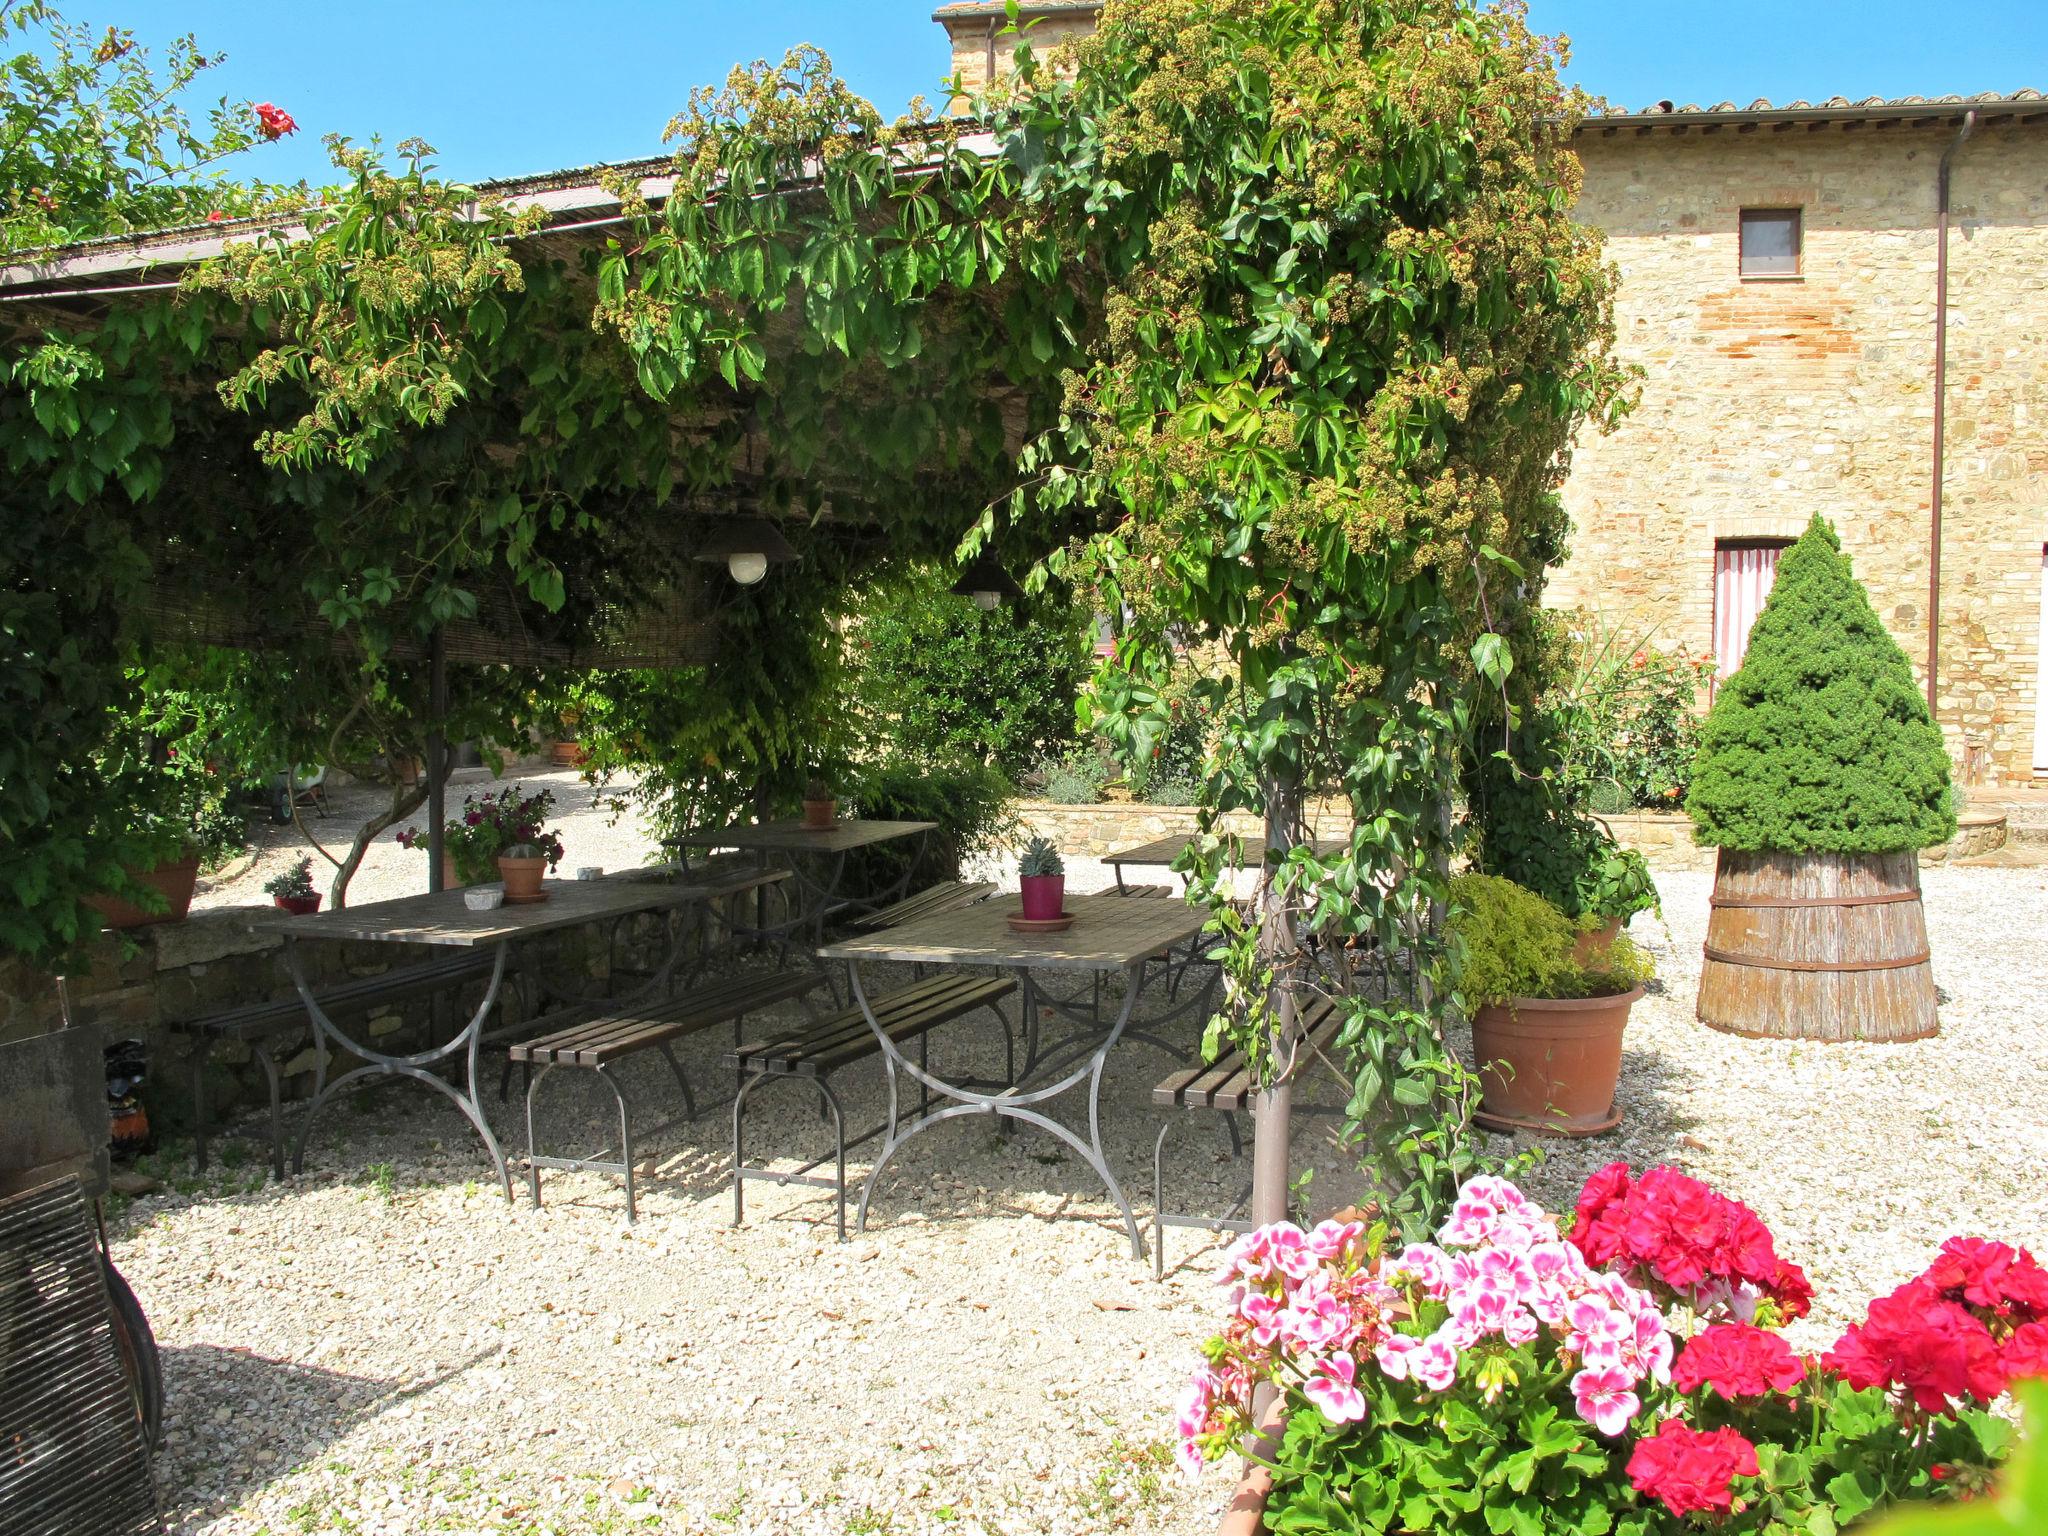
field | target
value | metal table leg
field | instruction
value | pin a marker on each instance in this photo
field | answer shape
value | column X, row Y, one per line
column 1011, row 1104
column 328, row 1037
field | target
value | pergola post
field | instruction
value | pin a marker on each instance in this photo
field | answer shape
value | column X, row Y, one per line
column 1272, row 1108
column 437, row 756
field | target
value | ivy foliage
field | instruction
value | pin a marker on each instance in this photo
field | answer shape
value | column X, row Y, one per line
column 1821, row 742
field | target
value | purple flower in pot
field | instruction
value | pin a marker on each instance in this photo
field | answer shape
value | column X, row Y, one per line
column 1043, row 877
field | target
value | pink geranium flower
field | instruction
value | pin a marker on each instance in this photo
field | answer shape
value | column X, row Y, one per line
column 1604, row 1400
column 1331, row 1387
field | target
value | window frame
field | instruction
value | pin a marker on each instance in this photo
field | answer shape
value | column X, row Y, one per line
column 1797, row 215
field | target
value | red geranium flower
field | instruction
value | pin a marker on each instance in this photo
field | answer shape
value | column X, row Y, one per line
column 216, row 217
column 2026, row 1352
column 274, row 122
column 1690, row 1469
column 1738, row 1360
column 1676, row 1230
column 1919, row 1343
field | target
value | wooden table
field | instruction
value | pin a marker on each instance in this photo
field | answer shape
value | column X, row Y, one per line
column 1164, row 852
column 441, row 918
column 817, row 862
column 1109, row 933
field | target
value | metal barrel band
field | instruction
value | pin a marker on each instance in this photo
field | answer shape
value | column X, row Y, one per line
column 1793, row 903
column 1761, row 963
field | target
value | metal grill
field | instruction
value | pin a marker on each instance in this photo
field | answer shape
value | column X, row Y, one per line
column 72, row 1460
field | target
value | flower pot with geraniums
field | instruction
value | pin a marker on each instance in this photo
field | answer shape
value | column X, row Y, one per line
column 1821, row 776
column 1618, row 1372
column 1546, row 1027
column 1042, row 877
column 293, row 889
column 821, row 805
column 486, row 827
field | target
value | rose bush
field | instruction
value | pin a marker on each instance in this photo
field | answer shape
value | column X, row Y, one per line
column 1620, row 1372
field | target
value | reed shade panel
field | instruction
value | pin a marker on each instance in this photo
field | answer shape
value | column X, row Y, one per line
column 1818, row 946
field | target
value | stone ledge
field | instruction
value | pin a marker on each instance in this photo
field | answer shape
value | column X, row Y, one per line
column 213, row 934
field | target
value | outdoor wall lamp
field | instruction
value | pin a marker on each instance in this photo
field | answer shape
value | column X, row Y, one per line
column 984, row 580
column 747, row 546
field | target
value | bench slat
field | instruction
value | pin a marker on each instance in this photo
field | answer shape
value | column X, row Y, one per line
column 364, row 991
column 597, row 1041
column 820, row 1049
column 1226, row 1084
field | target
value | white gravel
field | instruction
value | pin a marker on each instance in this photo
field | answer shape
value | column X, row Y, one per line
column 350, row 1353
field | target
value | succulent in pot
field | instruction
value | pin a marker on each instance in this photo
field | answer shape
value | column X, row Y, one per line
column 293, row 889
column 821, row 804
column 521, row 867
column 1042, row 875
column 1546, row 1023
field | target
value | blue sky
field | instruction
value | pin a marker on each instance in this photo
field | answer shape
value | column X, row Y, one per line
column 512, row 87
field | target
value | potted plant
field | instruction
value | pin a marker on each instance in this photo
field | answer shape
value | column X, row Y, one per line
column 821, row 804
column 1619, row 1370
column 521, row 867
column 487, row 826
column 1613, row 884
column 1820, row 779
column 293, row 889
column 1546, row 1027
column 179, row 820
column 1042, row 876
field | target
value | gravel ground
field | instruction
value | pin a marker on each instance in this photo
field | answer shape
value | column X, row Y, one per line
column 382, row 1346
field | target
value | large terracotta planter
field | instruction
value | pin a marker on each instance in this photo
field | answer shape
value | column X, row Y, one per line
column 1818, row 946
column 174, row 881
column 566, row 754
column 522, row 879
column 1045, row 897
column 1246, row 1515
column 1550, row 1065
column 819, row 815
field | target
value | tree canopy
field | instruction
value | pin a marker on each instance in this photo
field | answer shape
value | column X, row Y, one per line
column 1821, row 741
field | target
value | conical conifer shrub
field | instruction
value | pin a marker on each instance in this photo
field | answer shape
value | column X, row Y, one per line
column 1821, row 742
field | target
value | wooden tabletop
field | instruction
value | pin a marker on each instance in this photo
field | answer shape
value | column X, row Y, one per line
column 440, row 917
column 792, row 836
column 1164, row 850
column 1108, row 933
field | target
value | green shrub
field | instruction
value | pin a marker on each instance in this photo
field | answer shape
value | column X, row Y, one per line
column 970, row 801
column 1626, row 721
column 1508, row 942
column 1075, row 779
column 1821, row 743
column 1530, row 831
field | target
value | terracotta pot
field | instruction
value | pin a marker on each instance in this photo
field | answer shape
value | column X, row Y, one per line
column 819, row 815
column 522, row 879
column 1590, row 947
column 451, row 877
column 299, row 906
column 566, row 754
column 174, row 881
column 1246, row 1515
column 1550, row 1065
column 1045, row 897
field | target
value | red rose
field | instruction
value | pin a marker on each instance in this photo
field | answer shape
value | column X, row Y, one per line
column 2026, row 1352
column 274, row 122
column 1916, row 1342
column 1738, row 1360
column 1691, row 1470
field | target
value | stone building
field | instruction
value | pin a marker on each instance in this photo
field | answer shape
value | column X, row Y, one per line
column 1779, row 271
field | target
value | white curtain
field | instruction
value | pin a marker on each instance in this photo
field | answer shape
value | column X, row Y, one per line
column 1743, row 574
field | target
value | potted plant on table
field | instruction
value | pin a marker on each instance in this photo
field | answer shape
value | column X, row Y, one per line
column 1616, row 1371
column 487, row 827
column 1042, row 877
column 293, row 889
column 1821, row 776
column 821, row 805
column 1546, row 1025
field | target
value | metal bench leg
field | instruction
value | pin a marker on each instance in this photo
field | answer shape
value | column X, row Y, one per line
column 1236, row 1141
column 1159, row 1203
column 689, row 1099
column 748, row 1082
column 202, row 1048
column 532, row 1145
column 838, row 1148
column 270, row 1078
column 625, row 1139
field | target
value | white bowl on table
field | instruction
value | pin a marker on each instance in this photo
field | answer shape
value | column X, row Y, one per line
column 483, row 898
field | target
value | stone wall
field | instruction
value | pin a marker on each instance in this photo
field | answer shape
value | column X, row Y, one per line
column 975, row 31
column 1090, row 831
column 139, row 981
column 1765, row 401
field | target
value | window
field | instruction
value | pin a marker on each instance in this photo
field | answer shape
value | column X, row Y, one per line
column 1743, row 572
column 1771, row 242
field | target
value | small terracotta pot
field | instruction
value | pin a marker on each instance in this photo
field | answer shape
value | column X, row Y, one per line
column 1045, row 897
column 566, row 754
column 819, row 815
column 522, row 879
column 1590, row 948
column 1550, row 1065
column 299, row 906
column 175, row 881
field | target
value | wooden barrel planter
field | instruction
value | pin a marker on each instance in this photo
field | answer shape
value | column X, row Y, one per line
column 1818, row 946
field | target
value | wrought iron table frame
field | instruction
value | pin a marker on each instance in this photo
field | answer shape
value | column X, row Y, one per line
column 441, row 918
column 1145, row 930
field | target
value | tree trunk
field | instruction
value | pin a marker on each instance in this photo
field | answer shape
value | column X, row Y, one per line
column 405, row 799
column 1272, row 1108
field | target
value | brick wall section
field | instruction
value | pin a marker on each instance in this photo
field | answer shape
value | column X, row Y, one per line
column 1767, row 401
column 968, row 30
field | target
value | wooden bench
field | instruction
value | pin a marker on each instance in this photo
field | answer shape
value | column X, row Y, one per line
column 814, row 1052
column 1226, row 1086
column 258, row 1026
column 609, row 1036
column 947, row 896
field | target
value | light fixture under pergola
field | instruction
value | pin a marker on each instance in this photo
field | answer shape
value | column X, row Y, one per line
column 984, row 579
column 747, row 546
